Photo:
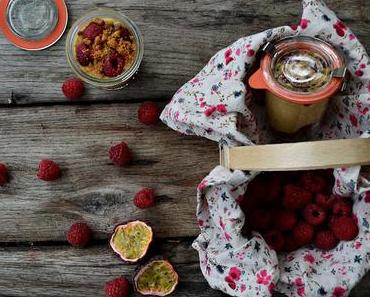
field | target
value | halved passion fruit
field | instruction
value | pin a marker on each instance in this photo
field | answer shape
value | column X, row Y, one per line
column 156, row 278
column 131, row 240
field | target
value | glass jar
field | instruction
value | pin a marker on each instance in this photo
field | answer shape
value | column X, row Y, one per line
column 299, row 76
column 110, row 83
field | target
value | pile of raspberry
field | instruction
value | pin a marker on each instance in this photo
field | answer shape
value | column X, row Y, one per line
column 296, row 209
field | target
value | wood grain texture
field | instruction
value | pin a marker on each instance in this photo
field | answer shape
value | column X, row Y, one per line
column 91, row 188
column 180, row 37
column 65, row 271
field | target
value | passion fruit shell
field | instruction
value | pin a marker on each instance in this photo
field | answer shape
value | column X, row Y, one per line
column 157, row 277
column 131, row 241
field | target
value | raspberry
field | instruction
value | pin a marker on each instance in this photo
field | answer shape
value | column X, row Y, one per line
column 325, row 201
column 285, row 220
column 48, row 170
column 273, row 189
column 83, row 54
column 3, row 169
column 261, row 219
column 295, row 197
column 257, row 189
column 3, row 174
column 325, row 240
column 314, row 183
column 79, row 235
column 344, row 228
column 247, row 204
column 303, row 233
column 93, row 30
column 120, row 154
column 314, row 214
column 3, row 179
column 274, row 239
column 113, row 65
column 144, row 198
column 148, row 113
column 73, row 88
column 290, row 244
column 342, row 208
column 124, row 33
column 118, row 287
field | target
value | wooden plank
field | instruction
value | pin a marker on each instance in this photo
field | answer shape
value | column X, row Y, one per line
column 180, row 38
column 92, row 189
column 65, row 271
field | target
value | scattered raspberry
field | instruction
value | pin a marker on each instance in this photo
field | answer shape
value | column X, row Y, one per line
column 274, row 239
column 3, row 169
column 148, row 113
column 325, row 201
column 325, row 240
column 314, row 214
column 285, row 220
column 48, row 170
column 303, row 233
column 79, row 235
column 93, row 30
column 73, row 88
column 3, row 179
column 313, row 183
column 118, row 287
column 120, row 154
column 261, row 219
column 342, row 209
column 83, row 54
column 3, row 174
column 144, row 198
column 344, row 228
column 113, row 65
column 296, row 197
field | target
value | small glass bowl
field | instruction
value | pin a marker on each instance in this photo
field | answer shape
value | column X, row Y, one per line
column 113, row 83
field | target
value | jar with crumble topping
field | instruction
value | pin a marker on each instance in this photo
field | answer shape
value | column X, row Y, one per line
column 299, row 75
column 105, row 48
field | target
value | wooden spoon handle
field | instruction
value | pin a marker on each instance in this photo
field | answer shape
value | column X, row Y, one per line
column 298, row 156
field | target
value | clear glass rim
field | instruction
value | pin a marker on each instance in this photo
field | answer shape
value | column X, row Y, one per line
column 106, row 82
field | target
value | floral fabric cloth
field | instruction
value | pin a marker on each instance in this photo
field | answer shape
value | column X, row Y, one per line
column 217, row 104
column 246, row 267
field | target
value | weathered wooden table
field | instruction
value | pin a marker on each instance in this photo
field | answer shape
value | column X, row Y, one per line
column 37, row 122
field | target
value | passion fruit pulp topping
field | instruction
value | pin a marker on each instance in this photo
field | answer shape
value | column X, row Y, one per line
column 158, row 278
column 132, row 240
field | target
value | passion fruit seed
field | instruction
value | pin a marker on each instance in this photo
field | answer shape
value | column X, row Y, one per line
column 132, row 240
column 156, row 278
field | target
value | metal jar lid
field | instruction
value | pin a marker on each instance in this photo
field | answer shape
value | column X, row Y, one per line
column 33, row 24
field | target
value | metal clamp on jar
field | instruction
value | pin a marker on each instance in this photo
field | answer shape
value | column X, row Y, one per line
column 299, row 75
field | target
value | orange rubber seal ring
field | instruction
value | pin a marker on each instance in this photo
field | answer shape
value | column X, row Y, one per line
column 35, row 45
column 262, row 79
